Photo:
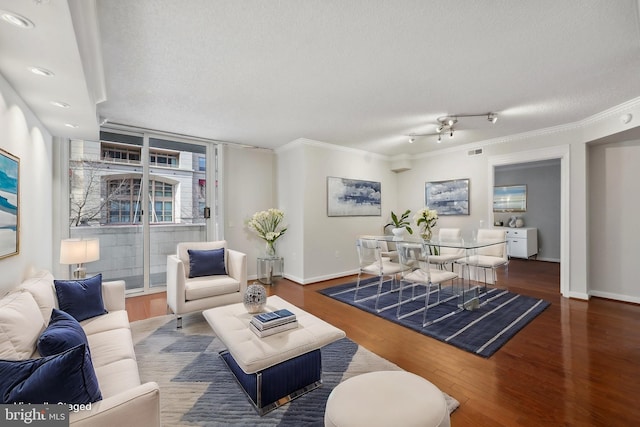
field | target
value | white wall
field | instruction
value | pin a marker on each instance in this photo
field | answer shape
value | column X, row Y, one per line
column 320, row 247
column 452, row 165
column 22, row 135
column 613, row 222
column 248, row 187
column 291, row 177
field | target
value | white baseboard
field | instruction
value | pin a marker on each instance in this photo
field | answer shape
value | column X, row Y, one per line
column 614, row 296
column 547, row 259
column 578, row 295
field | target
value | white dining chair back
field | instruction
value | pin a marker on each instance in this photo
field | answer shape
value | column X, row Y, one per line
column 492, row 234
column 372, row 263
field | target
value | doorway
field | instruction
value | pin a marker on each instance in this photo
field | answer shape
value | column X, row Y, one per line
column 562, row 154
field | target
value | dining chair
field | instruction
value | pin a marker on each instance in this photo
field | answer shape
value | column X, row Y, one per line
column 446, row 256
column 488, row 257
column 388, row 253
column 420, row 273
column 371, row 263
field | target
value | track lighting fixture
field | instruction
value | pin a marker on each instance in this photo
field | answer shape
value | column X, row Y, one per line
column 15, row 19
column 445, row 124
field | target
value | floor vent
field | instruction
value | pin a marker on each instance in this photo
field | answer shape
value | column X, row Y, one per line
column 474, row 152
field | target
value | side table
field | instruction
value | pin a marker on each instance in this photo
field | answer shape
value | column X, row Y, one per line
column 268, row 268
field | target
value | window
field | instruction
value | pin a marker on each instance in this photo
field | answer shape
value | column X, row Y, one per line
column 161, row 205
column 163, row 159
column 120, row 153
column 139, row 222
column 123, row 201
column 124, row 207
column 123, row 153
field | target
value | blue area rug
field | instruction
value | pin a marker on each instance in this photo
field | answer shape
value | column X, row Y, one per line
column 481, row 331
column 197, row 388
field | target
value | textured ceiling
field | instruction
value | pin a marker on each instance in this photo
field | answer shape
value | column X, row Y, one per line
column 359, row 73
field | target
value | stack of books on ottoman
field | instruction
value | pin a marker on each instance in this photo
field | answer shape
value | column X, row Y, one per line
column 266, row 324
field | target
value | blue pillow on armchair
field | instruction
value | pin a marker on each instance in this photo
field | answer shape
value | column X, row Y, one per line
column 206, row 262
column 81, row 298
column 62, row 333
column 67, row 377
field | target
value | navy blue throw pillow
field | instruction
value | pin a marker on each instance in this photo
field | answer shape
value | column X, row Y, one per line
column 206, row 262
column 64, row 332
column 81, row 298
column 67, row 377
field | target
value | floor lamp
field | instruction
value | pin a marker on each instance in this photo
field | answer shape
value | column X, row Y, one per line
column 79, row 252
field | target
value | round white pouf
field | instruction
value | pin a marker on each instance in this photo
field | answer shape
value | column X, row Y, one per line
column 386, row 398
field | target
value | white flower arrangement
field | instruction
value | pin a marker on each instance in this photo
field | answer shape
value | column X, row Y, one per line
column 426, row 219
column 267, row 224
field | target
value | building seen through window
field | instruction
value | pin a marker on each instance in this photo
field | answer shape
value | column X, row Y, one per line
column 105, row 184
column 139, row 195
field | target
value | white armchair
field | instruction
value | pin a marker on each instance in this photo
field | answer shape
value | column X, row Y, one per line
column 187, row 294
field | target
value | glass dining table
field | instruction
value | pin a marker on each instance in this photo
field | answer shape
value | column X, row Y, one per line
column 468, row 293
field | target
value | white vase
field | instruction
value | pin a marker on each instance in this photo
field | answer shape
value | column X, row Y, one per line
column 398, row 233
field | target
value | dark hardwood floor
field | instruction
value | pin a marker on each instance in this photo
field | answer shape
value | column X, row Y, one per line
column 577, row 364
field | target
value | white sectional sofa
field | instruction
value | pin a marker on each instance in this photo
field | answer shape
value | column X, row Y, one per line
column 125, row 400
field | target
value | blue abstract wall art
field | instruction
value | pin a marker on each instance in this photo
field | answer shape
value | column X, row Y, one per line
column 448, row 197
column 353, row 197
column 9, row 213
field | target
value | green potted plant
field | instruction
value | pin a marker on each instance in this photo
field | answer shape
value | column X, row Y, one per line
column 400, row 223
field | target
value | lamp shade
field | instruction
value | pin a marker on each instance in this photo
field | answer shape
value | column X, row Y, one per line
column 78, row 251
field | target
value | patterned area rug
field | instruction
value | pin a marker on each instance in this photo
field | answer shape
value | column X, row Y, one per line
column 482, row 331
column 197, row 389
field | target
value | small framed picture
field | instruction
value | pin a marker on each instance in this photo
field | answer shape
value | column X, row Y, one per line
column 9, row 204
column 510, row 198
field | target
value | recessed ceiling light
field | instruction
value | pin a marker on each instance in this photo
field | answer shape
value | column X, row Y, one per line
column 41, row 71
column 60, row 104
column 71, row 125
column 15, row 19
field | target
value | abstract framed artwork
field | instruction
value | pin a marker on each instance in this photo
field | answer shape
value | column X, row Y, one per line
column 353, row 197
column 510, row 198
column 9, row 199
column 448, row 197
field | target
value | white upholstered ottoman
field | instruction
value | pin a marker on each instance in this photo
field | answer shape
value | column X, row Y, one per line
column 275, row 369
column 386, row 398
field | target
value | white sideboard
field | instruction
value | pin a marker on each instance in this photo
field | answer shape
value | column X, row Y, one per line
column 522, row 242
